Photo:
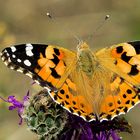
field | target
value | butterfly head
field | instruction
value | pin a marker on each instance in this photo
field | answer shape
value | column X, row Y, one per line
column 82, row 45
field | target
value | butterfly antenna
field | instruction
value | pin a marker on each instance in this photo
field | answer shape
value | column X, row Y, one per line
column 69, row 30
column 99, row 26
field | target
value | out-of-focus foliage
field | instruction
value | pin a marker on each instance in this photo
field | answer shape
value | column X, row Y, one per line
column 26, row 21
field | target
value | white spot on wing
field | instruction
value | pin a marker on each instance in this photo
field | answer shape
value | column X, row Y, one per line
column 12, row 67
column 13, row 49
column 30, row 75
column 9, row 60
column 28, row 49
column 3, row 58
column 13, row 56
column 6, row 63
column 29, row 53
column 19, row 70
column 27, row 63
column 29, row 46
column 19, row 60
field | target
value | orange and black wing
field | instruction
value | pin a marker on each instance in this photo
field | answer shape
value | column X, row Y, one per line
column 46, row 64
column 123, row 60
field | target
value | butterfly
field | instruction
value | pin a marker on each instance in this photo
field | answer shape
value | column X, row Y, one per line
column 94, row 86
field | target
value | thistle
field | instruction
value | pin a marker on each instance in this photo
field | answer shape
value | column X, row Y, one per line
column 44, row 117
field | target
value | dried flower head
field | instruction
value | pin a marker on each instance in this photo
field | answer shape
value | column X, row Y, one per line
column 44, row 117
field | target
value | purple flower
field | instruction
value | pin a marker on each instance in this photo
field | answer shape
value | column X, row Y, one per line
column 107, row 135
column 18, row 105
column 79, row 129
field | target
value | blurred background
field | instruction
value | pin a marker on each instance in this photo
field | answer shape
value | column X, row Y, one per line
column 25, row 21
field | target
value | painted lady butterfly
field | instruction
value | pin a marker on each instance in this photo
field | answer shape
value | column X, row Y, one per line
column 98, row 85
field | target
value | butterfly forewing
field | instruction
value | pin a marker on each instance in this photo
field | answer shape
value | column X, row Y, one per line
column 44, row 63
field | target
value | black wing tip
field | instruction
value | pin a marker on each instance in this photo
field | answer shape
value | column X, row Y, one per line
column 4, row 55
column 136, row 42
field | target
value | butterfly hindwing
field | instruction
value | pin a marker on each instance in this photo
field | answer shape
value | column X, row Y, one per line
column 73, row 99
column 124, row 96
